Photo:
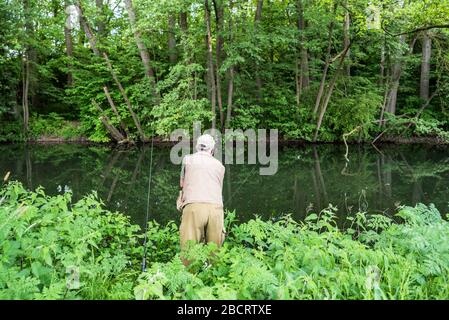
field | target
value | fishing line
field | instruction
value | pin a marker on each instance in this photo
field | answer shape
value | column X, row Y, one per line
column 144, row 259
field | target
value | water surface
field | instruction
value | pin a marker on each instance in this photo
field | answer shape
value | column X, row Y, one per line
column 308, row 178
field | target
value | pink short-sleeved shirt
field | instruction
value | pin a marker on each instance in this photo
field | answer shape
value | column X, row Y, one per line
column 203, row 179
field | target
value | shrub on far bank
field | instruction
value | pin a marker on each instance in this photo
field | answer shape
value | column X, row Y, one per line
column 54, row 126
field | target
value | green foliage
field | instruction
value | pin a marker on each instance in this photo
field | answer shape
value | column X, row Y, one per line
column 416, row 127
column 264, row 56
column 179, row 107
column 43, row 237
column 359, row 108
column 375, row 257
column 431, row 127
column 315, row 260
column 11, row 131
column 54, row 126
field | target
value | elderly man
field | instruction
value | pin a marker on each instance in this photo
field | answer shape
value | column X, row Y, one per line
column 202, row 183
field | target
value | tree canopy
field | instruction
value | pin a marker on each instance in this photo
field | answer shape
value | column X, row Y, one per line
column 314, row 69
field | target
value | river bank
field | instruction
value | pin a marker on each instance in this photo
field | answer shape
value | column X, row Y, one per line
column 53, row 128
column 160, row 141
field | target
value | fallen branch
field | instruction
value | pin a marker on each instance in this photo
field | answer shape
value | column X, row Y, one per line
column 345, row 135
column 437, row 26
column 109, row 126
column 114, row 108
column 125, row 97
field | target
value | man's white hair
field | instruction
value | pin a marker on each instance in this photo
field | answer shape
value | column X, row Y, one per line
column 205, row 143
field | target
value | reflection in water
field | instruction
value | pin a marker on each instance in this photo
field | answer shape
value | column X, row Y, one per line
column 308, row 179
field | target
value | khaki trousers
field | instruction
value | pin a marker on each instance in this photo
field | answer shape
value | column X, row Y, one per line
column 202, row 222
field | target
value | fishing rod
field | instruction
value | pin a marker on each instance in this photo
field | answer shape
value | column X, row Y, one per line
column 144, row 259
column 5, row 180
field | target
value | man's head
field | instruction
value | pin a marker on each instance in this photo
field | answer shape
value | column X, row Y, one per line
column 205, row 143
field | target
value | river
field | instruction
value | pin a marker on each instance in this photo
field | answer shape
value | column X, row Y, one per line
column 375, row 180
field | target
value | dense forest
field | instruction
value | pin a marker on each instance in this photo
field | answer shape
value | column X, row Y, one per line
column 99, row 221
column 317, row 70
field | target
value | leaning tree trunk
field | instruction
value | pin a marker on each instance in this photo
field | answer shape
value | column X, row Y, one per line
column 93, row 43
column 329, row 91
column 144, row 55
column 87, row 29
column 326, row 65
column 108, row 124
column 115, row 110
column 125, row 97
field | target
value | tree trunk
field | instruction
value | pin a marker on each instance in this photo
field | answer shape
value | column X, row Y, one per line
column 257, row 19
column 230, row 97
column 183, row 22
column 144, row 55
column 108, row 124
column 326, row 65
column 173, row 57
column 425, row 67
column 100, row 21
column 329, row 91
column 230, row 75
column 210, row 62
column 87, row 29
column 396, row 71
column 114, row 109
column 382, row 63
column 28, row 64
column 219, row 13
column 125, row 97
column 92, row 41
column 303, row 79
column 346, row 25
column 69, row 45
column 25, row 94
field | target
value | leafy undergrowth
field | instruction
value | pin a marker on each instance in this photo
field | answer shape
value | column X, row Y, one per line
column 53, row 127
column 44, row 239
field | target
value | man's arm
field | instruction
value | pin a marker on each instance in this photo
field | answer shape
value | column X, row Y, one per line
column 222, row 173
column 181, row 178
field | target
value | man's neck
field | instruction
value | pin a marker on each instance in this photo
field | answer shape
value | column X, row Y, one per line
column 207, row 153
